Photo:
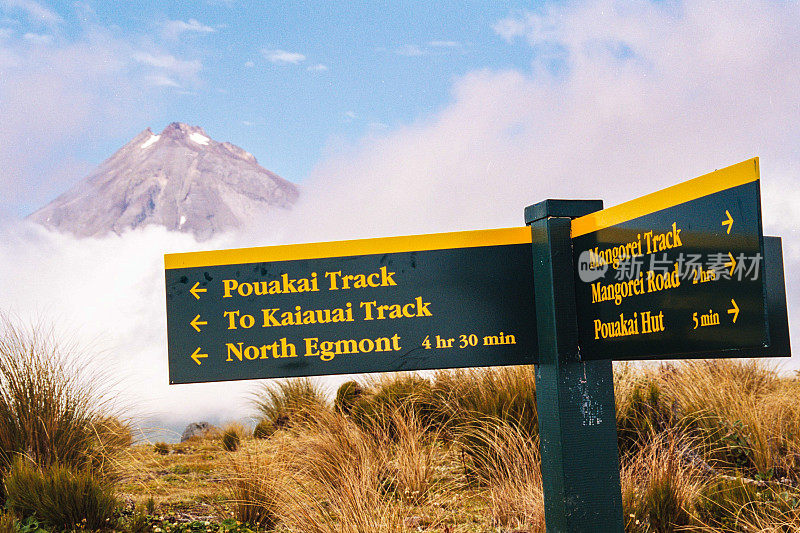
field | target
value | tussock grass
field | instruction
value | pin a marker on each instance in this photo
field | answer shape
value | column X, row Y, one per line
column 282, row 403
column 57, row 440
column 473, row 395
column 741, row 414
column 704, row 445
column 660, row 489
column 61, row 497
column 7, row 522
column 342, row 475
column 254, row 488
column 507, row 465
column 49, row 408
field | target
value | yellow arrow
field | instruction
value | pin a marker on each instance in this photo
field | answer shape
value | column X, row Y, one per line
column 734, row 311
column 731, row 264
column 196, row 322
column 728, row 222
column 197, row 355
column 194, row 290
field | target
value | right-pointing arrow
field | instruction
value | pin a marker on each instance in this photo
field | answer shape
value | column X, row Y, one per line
column 734, row 310
column 197, row 355
column 731, row 264
column 729, row 221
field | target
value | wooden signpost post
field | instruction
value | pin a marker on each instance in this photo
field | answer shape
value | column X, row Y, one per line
column 681, row 273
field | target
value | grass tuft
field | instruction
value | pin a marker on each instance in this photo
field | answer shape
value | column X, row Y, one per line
column 289, row 401
column 232, row 437
column 59, row 496
column 48, row 408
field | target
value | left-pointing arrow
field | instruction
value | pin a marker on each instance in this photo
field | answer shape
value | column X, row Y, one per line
column 195, row 290
column 196, row 323
column 197, row 355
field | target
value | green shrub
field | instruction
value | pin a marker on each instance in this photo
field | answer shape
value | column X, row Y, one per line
column 347, row 395
column 231, row 439
column 150, row 506
column 60, row 497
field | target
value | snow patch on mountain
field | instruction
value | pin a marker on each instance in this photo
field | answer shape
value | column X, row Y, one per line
column 199, row 138
column 151, row 141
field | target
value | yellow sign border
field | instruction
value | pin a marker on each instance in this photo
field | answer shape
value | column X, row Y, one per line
column 384, row 245
column 713, row 182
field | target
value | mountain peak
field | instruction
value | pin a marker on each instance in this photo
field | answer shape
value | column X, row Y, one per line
column 179, row 130
column 181, row 179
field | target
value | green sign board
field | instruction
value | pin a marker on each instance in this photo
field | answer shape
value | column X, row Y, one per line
column 400, row 303
column 674, row 274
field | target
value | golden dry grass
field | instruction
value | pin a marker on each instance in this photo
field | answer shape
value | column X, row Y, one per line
column 705, row 446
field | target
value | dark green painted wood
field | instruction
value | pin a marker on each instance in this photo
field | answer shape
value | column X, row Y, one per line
column 473, row 294
column 679, row 311
column 561, row 208
column 778, row 316
column 575, row 400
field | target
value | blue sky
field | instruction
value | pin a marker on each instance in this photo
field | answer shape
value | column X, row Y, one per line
column 394, row 118
column 289, row 82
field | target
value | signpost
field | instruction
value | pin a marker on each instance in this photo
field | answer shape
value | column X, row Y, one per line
column 376, row 305
column 674, row 273
column 681, row 273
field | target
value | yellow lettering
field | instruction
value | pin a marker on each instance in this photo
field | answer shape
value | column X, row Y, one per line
column 230, row 285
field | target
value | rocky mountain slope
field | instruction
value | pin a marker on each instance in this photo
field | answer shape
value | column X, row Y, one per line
column 181, row 179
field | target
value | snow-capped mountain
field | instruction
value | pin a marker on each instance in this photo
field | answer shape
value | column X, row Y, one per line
column 181, row 179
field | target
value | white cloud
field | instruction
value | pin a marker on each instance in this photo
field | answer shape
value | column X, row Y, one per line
column 444, row 44
column 683, row 100
column 168, row 62
column 58, row 92
column 249, row 64
column 172, row 29
column 409, row 50
column 168, row 70
column 161, row 81
column 319, row 67
column 282, row 57
column 38, row 38
column 120, row 282
column 34, row 11
column 516, row 26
